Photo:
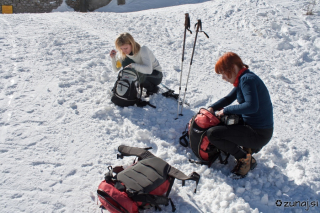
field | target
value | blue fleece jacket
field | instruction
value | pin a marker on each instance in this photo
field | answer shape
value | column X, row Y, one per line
column 254, row 102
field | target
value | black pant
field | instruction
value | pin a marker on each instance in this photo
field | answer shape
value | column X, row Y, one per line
column 150, row 81
column 230, row 138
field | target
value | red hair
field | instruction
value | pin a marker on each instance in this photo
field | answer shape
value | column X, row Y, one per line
column 226, row 63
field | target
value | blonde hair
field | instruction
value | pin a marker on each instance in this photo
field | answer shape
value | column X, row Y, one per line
column 126, row 38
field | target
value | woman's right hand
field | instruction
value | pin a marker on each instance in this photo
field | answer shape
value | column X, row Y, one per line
column 113, row 53
column 210, row 109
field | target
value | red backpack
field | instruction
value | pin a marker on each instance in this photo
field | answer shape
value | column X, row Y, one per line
column 145, row 184
column 195, row 136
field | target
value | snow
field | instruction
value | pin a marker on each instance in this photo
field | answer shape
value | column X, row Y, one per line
column 59, row 130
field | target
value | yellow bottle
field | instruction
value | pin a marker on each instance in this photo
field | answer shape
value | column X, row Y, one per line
column 118, row 64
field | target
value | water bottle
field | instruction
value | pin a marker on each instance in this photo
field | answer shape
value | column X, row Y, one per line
column 118, row 64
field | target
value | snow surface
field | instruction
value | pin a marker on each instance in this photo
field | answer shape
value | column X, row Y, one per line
column 59, row 130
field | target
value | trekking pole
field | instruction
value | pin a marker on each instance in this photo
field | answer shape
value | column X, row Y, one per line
column 186, row 27
column 199, row 26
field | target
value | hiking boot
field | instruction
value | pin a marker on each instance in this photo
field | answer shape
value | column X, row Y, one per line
column 250, row 150
column 244, row 165
column 148, row 94
column 151, row 92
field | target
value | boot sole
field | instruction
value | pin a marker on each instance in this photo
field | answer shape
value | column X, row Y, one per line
column 237, row 177
column 253, row 165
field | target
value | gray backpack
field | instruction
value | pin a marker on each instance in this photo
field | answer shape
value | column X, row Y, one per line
column 147, row 183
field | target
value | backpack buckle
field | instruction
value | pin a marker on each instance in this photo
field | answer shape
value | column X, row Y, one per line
column 109, row 175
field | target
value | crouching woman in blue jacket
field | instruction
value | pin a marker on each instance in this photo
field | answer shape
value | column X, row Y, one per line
column 254, row 107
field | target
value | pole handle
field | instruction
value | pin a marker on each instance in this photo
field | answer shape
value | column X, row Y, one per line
column 199, row 28
column 187, row 22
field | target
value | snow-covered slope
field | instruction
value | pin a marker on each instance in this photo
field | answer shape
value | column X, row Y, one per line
column 59, row 130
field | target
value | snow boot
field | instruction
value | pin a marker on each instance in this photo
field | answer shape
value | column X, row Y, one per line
column 153, row 91
column 250, row 150
column 244, row 165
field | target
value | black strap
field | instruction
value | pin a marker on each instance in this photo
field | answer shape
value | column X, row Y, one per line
column 170, row 93
column 225, row 161
column 172, row 205
column 199, row 162
column 210, row 162
column 171, row 180
column 109, row 175
column 141, row 103
column 105, row 195
column 119, row 186
column 152, row 199
column 184, row 139
column 181, row 176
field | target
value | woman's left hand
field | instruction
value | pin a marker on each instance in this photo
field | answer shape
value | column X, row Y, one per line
column 220, row 113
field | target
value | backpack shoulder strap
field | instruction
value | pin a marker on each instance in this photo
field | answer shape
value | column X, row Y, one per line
column 134, row 151
column 140, row 102
column 126, row 61
column 176, row 173
column 184, row 139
